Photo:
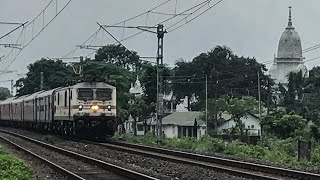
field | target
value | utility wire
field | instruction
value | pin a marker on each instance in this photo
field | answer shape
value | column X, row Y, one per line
column 7, row 34
column 168, row 19
column 193, row 17
column 121, row 22
column 44, row 27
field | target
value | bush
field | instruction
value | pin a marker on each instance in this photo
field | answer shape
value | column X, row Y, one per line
column 271, row 149
column 13, row 168
column 209, row 144
column 180, row 143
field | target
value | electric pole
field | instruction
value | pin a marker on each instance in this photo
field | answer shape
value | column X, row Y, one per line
column 269, row 96
column 206, row 104
column 259, row 94
column 160, row 35
column 41, row 80
column 215, row 109
column 12, row 87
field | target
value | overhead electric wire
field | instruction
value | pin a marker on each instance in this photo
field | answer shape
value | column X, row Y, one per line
column 121, row 22
column 44, row 27
column 188, row 21
column 169, row 14
column 74, row 49
column 304, row 50
column 8, row 54
column 166, row 20
column 7, row 34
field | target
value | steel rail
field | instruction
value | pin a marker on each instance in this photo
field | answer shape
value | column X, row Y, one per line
column 54, row 166
column 104, row 165
column 185, row 160
column 223, row 161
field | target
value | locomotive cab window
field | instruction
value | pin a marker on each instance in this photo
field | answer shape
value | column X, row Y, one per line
column 104, row 94
column 85, row 94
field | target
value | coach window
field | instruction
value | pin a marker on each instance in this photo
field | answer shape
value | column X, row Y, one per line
column 65, row 98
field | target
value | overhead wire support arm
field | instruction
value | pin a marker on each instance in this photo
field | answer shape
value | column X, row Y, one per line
column 91, row 47
column 143, row 28
column 13, row 30
column 10, row 23
column 16, row 46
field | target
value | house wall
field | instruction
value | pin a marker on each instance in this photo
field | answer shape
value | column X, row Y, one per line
column 201, row 131
column 170, row 131
column 252, row 124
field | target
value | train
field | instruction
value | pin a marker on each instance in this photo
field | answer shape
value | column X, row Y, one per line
column 85, row 110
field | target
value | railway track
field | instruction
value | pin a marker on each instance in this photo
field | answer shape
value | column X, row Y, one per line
column 239, row 168
column 72, row 165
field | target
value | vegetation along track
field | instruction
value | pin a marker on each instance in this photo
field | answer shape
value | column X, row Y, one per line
column 239, row 168
column 90, row 168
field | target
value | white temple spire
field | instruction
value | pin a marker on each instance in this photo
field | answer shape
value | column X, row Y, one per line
column 290, row 20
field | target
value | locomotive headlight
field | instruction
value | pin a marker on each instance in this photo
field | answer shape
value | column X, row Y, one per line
column 109, row 107
column 80, row 107
column 94, row 108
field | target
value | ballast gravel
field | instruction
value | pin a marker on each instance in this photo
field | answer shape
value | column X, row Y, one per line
column 150, row 166
column 41, row 170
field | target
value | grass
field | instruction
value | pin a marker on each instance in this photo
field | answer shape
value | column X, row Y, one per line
column 270, row 149
column 12, row 168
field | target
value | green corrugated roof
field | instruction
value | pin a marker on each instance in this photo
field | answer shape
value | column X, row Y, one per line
column 183, row 118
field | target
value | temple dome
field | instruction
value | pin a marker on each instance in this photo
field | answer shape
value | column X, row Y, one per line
column 290, row 44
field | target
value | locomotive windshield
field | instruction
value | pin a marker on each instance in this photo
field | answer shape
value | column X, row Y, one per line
column 104, row 94
column 85, row 94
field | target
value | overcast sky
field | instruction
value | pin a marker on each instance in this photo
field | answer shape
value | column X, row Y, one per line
column 249, row 27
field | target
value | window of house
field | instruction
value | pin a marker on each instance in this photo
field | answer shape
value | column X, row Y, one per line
column 65, row 98
column 58, row 98
column 190, row 132
column 140, row 127
column 184, row 132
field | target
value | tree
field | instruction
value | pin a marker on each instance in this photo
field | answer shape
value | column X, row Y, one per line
column 239, row 108
column 267, row 122
column 149, row 82
column 120, row 56
column 236, row 107
column 4, row 93
column 287, row 125
column 215, row 109
column 182, row 86
column 56, row 74
column 138, row 109
column 282, row 124
column 227, row 73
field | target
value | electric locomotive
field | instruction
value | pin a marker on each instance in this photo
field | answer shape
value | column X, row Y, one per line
column 86, row 109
